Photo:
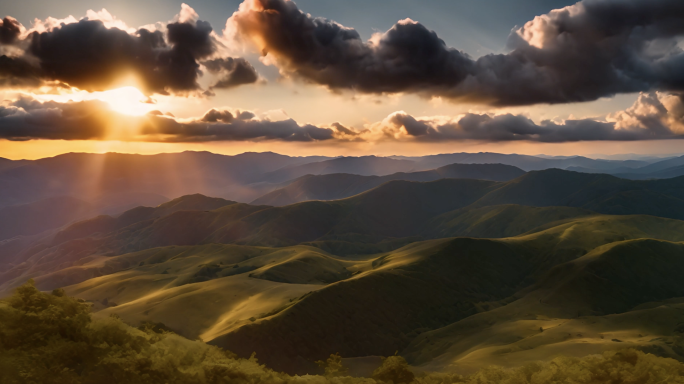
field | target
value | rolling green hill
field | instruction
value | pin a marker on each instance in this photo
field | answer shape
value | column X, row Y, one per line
column 623, row 294
column 53, row 338
column 428, row 285
column 258, row 299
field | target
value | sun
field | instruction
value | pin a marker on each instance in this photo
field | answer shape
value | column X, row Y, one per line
column 126, row 100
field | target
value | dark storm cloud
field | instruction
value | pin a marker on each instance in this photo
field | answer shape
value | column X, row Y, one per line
column 232, row 72
column 17, row 72
column 408, row 57
column 514, row 127
column 10, row 29
column 592, row 49
column 235, row 130
column 215, row 115
column 654, row 116
column 648, row 119
column 27, row 119
column 92, row 57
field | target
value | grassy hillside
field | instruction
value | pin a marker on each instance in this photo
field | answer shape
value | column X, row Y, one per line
column 218, row 287
column 428, row 285
column 298, row 304
column 52, row 339
column 498, row 220
column 625, row 293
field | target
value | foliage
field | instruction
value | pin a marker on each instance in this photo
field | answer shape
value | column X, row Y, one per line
column 333, row 366
column 51, row 339
column 614, row 367
column 394, row 369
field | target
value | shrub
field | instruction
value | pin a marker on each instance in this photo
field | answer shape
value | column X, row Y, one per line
column 395, row 370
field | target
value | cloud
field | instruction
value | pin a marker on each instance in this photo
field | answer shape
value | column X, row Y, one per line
column 96, row 54
column 18, row 73
column 171, row 130
column 660, row 114
column 654, row 116
column 232, row 72
column 28, row 118
column 10, row 29
column 593, row 49
column 226, row 116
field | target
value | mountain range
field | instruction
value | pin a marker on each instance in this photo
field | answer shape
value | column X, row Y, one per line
column 243, row 177
column 455, row 268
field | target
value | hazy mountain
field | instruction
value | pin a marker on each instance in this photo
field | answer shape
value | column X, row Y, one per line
column 242, row 178
column 661, row 165
column 106, row 223
column 365, row 166
column 666, row 173
column 342, row 185
column 663, row 169
column 34, row 218
column 89, row 176
column 8, row 164
column 527, row 163
column 54, row 212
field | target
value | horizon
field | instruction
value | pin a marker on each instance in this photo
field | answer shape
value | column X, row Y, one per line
column 614, row 157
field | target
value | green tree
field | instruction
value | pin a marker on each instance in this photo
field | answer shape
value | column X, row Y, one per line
column 394, row 369
column 333, row 366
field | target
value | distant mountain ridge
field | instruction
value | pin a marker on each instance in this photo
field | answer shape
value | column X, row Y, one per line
column 243, row 178
column 342, row 185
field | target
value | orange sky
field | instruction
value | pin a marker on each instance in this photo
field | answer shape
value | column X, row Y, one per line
column 35, row 149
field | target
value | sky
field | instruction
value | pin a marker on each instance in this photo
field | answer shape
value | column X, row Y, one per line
column 390, row 77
